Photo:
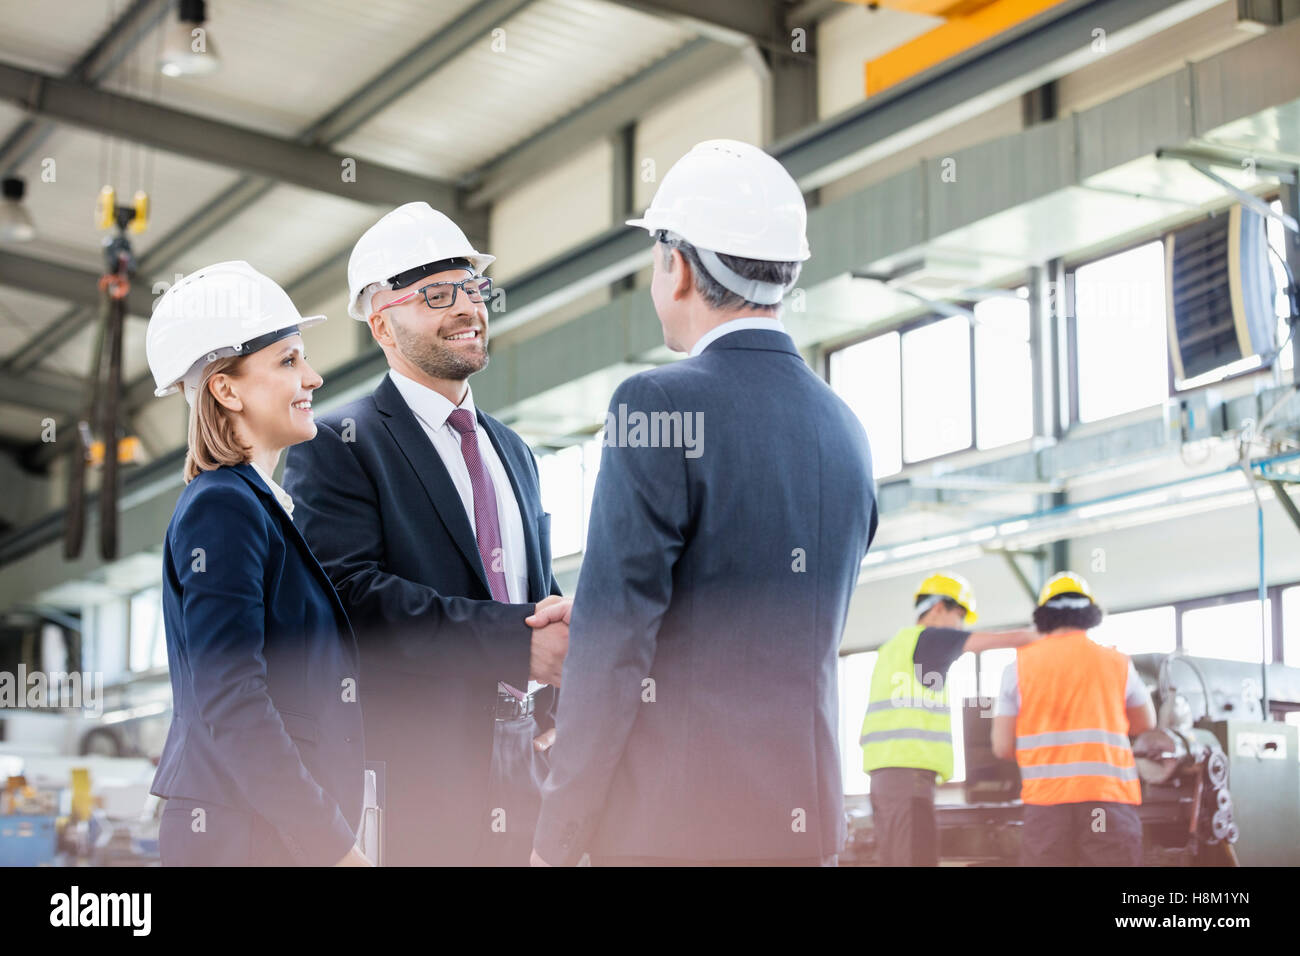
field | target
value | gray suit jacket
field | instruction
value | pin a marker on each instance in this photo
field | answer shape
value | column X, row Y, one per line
column 700, row 708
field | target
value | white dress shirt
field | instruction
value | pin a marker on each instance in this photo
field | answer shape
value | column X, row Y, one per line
column 431, row 411
column 766, row 323
column 281, row 495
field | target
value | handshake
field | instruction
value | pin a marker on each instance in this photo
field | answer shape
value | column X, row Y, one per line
column 550, row 624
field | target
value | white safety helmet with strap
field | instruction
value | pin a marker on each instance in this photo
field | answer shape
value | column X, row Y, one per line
column 224, row 309
column 409, row 243
column 729, row 197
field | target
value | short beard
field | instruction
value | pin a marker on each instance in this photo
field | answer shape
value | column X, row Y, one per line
column 436, row 360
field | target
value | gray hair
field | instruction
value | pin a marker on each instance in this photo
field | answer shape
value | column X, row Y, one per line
column 718, row 296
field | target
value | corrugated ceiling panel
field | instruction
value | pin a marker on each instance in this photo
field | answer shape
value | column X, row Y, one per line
column 558, row 55
column 76, row 356
column 284, row 64
column 10, row 117
column 36, row 38
column 23, row 315
column 20, row 424
column 285, row 233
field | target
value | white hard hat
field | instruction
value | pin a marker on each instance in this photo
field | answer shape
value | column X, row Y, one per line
column 730, row 197
column 225, row 309
column 404, row 241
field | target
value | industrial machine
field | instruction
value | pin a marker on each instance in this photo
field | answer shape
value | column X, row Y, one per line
column 1213, row 739
column 1220, row 785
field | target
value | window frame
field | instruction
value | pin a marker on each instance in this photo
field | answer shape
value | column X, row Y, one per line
column 1070, row 269
column 933, row 319
column 1069, row 374
column 1272, row 594
column 902, row 328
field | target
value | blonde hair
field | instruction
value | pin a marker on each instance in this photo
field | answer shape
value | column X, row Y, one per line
column 212, row 439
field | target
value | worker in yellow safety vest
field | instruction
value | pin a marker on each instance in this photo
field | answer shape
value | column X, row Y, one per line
column 1065, row 713
column 907, row 734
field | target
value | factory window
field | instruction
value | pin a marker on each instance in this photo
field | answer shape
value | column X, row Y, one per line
column 866, row 376
column 562, row 495
column 992, row 664
column 568, row 480
column 1152, row 630
column 147, row 649
column 855, row 692
column 936, row 389
column 105, row 630
column 1291, row 627
column 1121, row 335
column 1004, row 400
column 961, row 684
column 1228, row 631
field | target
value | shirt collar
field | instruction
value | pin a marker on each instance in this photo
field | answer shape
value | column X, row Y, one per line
column 767, row 323
column 429, row 406
column 281, row 495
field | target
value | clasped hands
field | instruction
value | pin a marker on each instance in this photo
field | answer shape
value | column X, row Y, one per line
column 550, row 624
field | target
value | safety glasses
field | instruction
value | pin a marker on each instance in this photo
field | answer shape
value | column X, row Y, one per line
column 442, row 295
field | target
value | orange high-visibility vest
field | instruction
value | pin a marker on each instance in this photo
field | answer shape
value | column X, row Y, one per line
column 1072, row 730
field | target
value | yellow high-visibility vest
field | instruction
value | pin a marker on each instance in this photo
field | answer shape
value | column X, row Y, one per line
column 907, row 724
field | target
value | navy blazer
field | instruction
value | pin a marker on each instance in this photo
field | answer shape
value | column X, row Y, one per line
column 375, row 501
column 264, row 673
column 700, row 690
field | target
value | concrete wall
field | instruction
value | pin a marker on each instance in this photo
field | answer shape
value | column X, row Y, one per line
column 728, row 106
column 552, row 212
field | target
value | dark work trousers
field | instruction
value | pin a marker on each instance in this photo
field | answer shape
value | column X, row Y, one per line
column 902, row 817
column 1095, row 833
column 514, row 794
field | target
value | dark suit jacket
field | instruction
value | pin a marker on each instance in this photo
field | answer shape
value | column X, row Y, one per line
column 700, row 712
column 265, row 733
column 379, row 508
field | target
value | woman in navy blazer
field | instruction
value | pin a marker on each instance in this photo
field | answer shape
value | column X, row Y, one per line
column 263, row 763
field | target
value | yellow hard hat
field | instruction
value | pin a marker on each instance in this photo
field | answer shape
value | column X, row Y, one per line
column 950, row 585
column 1067, row 582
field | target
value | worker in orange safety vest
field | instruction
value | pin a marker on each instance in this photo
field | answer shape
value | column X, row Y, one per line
column 1065, row 712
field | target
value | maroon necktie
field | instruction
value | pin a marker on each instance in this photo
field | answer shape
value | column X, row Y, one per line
column 486, row 526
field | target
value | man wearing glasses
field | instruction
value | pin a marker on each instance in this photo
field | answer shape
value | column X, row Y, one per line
column 426, row 514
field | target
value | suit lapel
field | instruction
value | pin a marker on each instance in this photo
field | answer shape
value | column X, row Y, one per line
column 423, row 458
column 526, row 517
column 291, row 531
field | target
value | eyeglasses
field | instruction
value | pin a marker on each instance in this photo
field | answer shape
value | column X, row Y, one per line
column 442, row 295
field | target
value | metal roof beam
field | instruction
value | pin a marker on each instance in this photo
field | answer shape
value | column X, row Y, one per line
column 216, row 142
column 757, row 21
column 114, row 45
column 46, row 391
column 78, row 286
column 429, row 55
column 1022, row 59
